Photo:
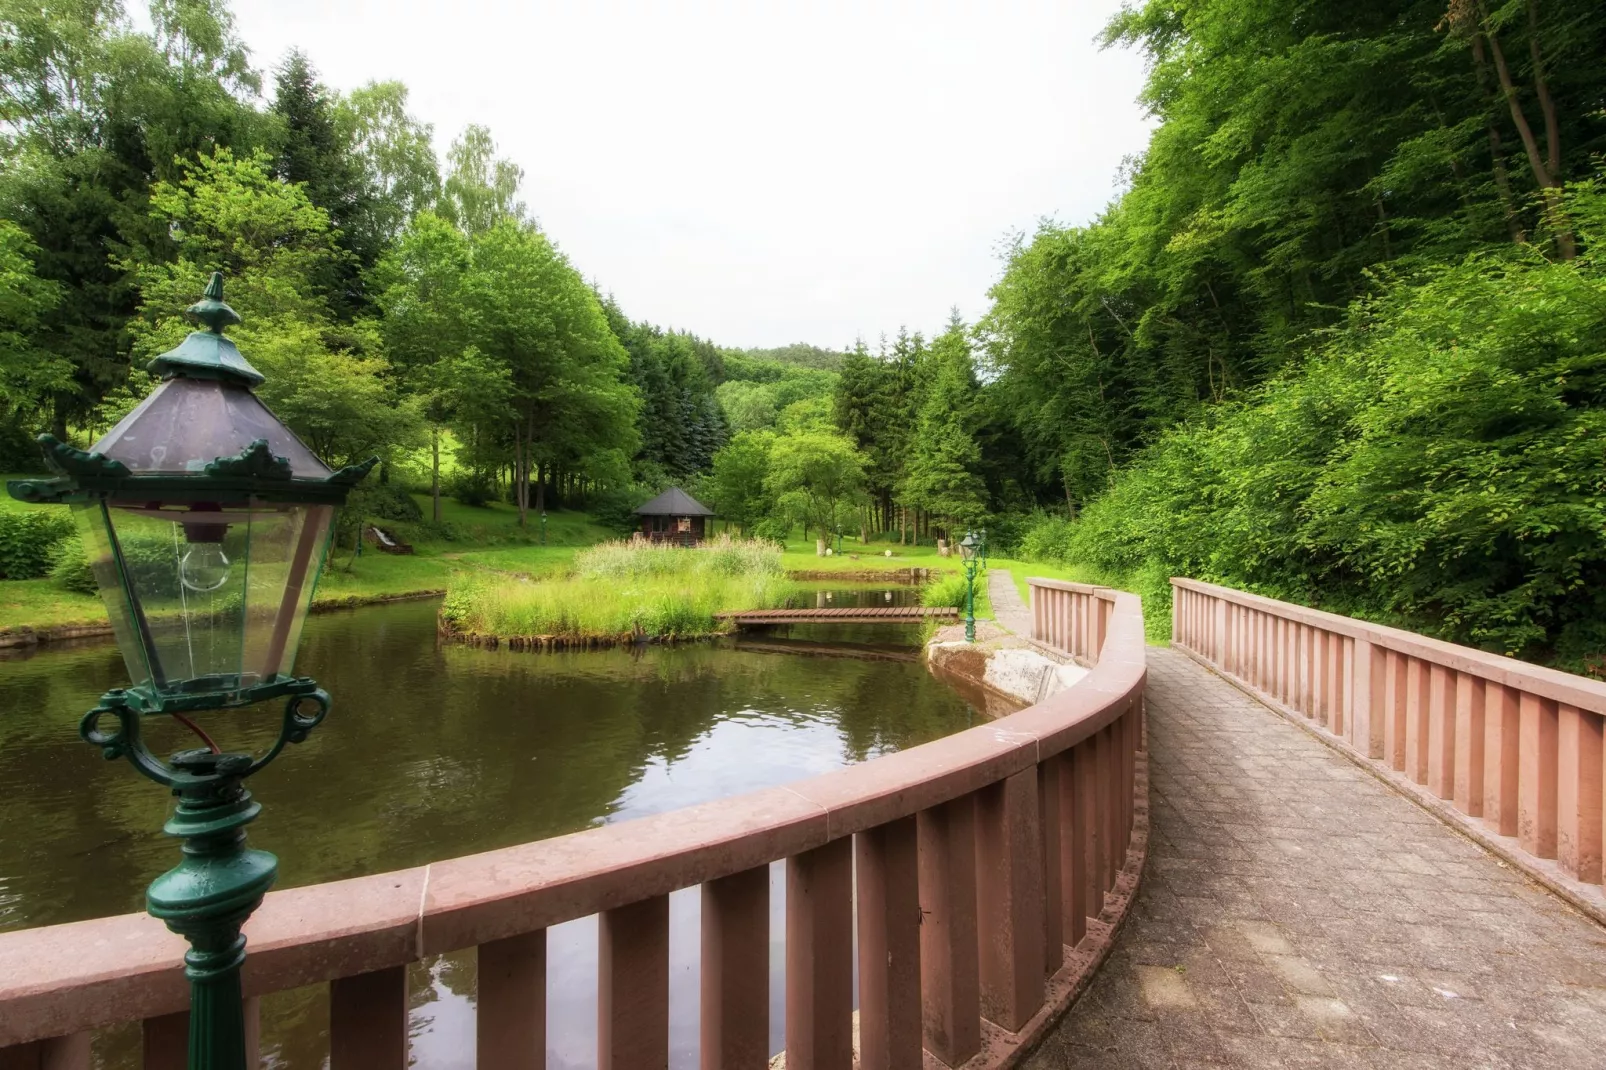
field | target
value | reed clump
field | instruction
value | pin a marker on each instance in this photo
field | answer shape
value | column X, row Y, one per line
column 625, row 591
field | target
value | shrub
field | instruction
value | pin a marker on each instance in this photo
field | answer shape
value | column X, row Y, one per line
column 471, row 488
column 69, row 567
column 1043, row 537
column 947, row 590
column 27, row 539
column 615, row 509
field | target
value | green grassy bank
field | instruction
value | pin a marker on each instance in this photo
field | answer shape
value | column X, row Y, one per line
column 619, row 591
column 472, row 541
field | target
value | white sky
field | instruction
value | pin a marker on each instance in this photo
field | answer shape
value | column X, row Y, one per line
column 761, row 173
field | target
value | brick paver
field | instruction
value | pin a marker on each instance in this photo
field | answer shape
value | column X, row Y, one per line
column 1296, row 912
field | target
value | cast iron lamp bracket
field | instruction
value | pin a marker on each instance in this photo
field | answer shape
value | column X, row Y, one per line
column 128, row 706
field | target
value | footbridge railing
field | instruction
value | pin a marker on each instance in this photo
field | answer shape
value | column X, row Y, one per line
column 1508, row 750
column 986, row 872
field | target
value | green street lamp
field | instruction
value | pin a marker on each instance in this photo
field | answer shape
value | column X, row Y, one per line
column 543, row 527
column 206, row 522
column 974, row 552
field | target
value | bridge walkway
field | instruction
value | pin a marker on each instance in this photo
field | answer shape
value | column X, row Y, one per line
column 1298, row 913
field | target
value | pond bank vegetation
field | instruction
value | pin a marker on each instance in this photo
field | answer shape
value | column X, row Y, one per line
column 621, row 592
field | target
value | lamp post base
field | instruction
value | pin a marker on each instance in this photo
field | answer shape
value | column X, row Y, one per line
column 207, row 897
column 219, row 882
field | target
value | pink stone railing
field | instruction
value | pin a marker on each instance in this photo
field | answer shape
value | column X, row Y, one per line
column 988, row 870
column 1072, row 617
column 1509, row 750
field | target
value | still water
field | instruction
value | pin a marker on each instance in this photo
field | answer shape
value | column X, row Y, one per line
column 431, row 752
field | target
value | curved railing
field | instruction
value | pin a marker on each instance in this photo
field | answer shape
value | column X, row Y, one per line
column 1511, row 752
column 987, row 869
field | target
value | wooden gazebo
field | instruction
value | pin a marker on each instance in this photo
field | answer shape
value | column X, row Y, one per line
column 674, row 516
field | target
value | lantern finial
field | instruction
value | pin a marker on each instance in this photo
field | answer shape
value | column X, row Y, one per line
column 207, row 354
column 211, row 310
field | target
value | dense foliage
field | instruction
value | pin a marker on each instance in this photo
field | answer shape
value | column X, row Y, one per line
column 1340, row 340
column 399, row 304
column 1337, row 339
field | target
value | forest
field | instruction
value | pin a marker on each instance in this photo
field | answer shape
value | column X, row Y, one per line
column 1339, row 337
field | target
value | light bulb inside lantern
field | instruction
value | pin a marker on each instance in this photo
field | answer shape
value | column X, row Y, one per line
column 204, row 567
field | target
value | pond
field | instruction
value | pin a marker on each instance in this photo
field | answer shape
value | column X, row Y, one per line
column 435, row 751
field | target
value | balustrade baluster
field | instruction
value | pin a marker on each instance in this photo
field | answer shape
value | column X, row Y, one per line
column 1337, row 684
column 165, row 1042
column 368, row 1021
column 1009, row 900
column 819, row 957
column 1075, row 624
column 735, row 1006
column 633, row 986
column 1395, row 685
column 1469, row 743
column 889, row 947
column 1578, row 794
column 1536, row 775
column 1048, row 823
column 1087, row 809
column 949, row 950
column 1073, row 848
column 1418, row 679
column 1502, row 730
column 1441, row 734
column 510, row 1022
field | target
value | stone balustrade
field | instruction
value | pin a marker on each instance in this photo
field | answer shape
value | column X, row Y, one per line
column 987, row 872
column 1508, row 751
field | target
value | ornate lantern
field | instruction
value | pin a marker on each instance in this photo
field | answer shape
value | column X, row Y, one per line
column 206, row 522
column 973, row 551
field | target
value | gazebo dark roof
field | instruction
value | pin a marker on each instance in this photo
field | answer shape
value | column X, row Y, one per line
column 674, row 502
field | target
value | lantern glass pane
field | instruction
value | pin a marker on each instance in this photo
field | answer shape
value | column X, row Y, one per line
column 286, row 552
column 206, row 596
column 91, row 518
column 185, row 573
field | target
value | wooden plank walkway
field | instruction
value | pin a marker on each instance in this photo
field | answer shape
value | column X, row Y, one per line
column 843, row 615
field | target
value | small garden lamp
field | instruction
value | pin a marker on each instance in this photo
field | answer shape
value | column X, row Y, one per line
column 206, row 522
column 973, row 551
column 543, row 527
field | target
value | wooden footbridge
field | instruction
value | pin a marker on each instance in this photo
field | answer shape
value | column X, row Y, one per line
column 842, row 615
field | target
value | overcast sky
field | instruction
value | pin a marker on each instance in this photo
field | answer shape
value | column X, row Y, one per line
column 761, row 173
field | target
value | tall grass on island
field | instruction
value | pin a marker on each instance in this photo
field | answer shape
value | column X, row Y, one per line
column 622, row 592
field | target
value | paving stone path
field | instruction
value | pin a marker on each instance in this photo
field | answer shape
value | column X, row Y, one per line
column 1008, row 609
column 1298, row 913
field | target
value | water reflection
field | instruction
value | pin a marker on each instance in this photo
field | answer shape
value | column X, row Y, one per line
column 433, row 752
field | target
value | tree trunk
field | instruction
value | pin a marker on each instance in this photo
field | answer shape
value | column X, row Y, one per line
column 1549, row 181
column 435, row 472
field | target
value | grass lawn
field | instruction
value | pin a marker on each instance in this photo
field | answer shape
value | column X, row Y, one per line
column 489, row 540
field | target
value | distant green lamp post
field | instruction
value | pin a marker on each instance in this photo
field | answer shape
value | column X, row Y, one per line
column 974, row 552
column 543, row 527
column 206, row 522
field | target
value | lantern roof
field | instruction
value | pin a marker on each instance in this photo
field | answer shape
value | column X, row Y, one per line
column 201, row 435
column 208, row 354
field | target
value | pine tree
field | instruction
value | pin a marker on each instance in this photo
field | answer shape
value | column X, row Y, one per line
column 941, row 473
column 315, row 152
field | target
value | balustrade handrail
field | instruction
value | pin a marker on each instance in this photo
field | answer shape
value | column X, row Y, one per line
column 1510, row 752
column 1538, row 679
column 63, row 980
